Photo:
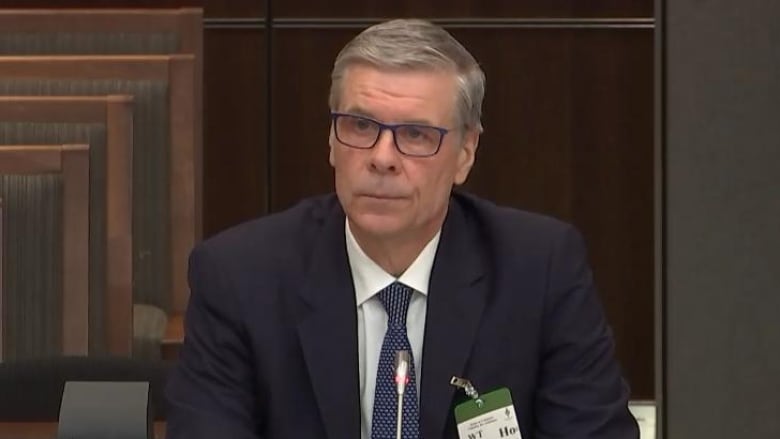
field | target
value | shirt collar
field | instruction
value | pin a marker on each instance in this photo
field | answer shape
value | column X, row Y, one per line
column 369, row 278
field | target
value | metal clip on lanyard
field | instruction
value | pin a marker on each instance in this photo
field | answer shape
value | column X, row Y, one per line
column 467, row 387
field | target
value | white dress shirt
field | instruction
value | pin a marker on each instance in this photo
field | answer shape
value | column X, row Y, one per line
column 369, row 279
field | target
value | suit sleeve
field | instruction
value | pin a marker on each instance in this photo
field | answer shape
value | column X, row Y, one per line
column 211, row 390
column 581, row 393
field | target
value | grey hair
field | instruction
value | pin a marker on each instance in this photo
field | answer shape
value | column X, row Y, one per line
column 415, row 45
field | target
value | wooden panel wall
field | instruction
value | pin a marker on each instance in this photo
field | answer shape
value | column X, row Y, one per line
column 568, row 118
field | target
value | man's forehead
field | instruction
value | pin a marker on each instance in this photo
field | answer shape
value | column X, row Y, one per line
column 424, row 88
column 410, row 70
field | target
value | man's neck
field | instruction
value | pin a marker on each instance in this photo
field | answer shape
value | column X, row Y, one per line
column 394, row 254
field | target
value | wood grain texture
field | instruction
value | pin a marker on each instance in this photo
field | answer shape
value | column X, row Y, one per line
column 464, row 8
column 235, row 130
column 75, row 249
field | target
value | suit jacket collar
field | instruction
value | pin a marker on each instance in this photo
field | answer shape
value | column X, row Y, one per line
column 456, row 299
column 327, row 328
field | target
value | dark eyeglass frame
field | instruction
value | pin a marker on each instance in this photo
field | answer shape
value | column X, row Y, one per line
column 388, row 126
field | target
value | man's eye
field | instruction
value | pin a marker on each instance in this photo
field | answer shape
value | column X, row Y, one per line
column 414, row 133
column 362, row 125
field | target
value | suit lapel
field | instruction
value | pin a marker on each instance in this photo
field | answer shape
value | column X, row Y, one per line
column 328, row 332
column 456, row 299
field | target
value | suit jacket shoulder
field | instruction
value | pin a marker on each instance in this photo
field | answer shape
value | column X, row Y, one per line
column 280, row 242
column 506, row 233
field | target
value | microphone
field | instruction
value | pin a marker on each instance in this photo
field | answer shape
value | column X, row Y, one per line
column 402, row 361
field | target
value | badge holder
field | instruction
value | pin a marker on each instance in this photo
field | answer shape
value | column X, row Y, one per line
column 487, row 416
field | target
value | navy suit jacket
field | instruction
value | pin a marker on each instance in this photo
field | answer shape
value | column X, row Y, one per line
column 271, row 329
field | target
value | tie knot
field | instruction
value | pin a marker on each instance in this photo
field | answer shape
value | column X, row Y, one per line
column 395, row 298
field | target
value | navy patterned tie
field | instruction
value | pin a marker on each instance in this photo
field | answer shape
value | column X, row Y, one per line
column 395, row 299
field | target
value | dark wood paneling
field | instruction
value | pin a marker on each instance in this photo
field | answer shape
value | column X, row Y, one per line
column 234, row 8
column 211, row 8
column 302, row 60
column 463, row 8
column 234, row 162
column 612, row 177
column 377, row 8
column 524, row 158
column 100, row 3
column 568, row 120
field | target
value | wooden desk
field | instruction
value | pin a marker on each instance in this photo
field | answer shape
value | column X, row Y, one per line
column 48, row 430
column 173, row 338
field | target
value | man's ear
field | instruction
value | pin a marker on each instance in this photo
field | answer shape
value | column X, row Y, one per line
column 467, row 155
column 331, row 142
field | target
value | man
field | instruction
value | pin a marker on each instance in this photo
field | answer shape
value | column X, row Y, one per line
column 295, row 318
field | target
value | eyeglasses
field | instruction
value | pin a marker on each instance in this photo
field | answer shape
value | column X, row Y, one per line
column 414, row 140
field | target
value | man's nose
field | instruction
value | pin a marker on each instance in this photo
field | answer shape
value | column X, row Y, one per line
column 384, row 155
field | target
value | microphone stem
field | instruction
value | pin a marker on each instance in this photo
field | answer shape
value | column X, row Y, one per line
column 399, row 426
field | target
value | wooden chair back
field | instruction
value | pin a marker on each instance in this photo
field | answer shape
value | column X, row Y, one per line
column 69, row 119
column 71, row 162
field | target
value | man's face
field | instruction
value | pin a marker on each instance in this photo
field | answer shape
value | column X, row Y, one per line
column 386, row 194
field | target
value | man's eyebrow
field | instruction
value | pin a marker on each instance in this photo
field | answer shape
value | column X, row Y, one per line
column 358, row 111
column 420, row 122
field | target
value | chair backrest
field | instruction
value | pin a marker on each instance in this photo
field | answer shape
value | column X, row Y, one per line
column 72, row 163
column 38, row 119
column 166, row 152
column 32, row 389
column 644, row 411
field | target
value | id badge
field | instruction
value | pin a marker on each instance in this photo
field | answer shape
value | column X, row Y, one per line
column 495, row 418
